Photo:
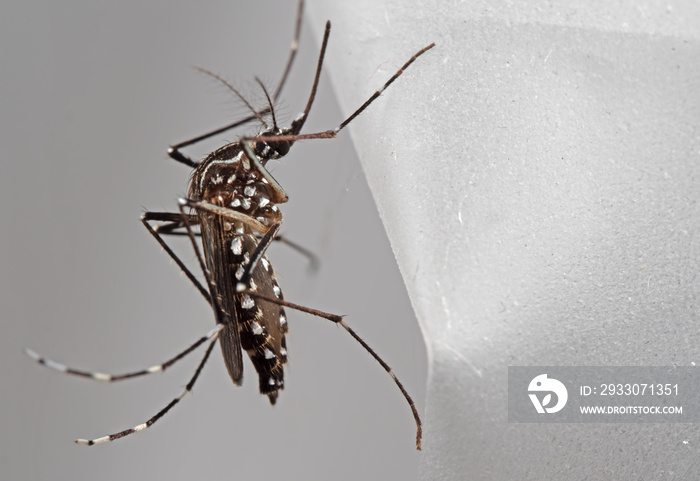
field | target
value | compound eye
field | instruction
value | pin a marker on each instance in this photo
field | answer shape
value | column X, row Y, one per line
column 282, row 148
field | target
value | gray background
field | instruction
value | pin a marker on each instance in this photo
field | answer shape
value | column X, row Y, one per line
column 93, row 93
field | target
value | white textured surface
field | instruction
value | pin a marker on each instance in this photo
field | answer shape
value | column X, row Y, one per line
column 538, row 173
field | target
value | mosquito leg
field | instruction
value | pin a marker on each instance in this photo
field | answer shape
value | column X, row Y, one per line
column 161, row 413
column 99, row 376
column 330, row 134
column 376, row 94
column 310, row 256
column 280, row 196
column 171, row 228
column 172, row 222
column 174, row 151
column 292, row 51
column 244, row 282
column 339, row 320
column 226, row 213
column 298, row 123
column 172, row 218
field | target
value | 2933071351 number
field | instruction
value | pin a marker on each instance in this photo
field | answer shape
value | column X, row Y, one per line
column 641, row 389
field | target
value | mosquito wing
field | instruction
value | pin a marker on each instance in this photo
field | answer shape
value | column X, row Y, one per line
column 216, row 241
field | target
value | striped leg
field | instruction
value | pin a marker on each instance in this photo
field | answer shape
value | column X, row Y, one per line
column 161, row 413
column 331, row 134
column 99, row 376
column 339, row 320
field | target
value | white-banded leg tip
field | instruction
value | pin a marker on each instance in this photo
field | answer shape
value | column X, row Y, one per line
column 215, row 331
column 32, row 354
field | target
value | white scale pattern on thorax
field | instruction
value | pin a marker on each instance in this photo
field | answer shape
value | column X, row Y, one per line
column 212, row 163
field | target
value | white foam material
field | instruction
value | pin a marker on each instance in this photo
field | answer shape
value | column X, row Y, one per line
column 537, row 173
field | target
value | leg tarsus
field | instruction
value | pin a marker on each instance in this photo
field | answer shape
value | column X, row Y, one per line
column 160, row 414
column 99, row 376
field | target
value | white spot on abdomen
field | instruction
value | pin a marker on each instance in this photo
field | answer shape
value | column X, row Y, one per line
column 237, row 246
column 247, row 302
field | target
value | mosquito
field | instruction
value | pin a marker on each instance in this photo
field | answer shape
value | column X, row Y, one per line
column 232, row 207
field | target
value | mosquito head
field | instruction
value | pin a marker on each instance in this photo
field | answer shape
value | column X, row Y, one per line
column 272, row 150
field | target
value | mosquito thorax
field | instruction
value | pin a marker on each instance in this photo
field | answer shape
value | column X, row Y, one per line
column 233, row 182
